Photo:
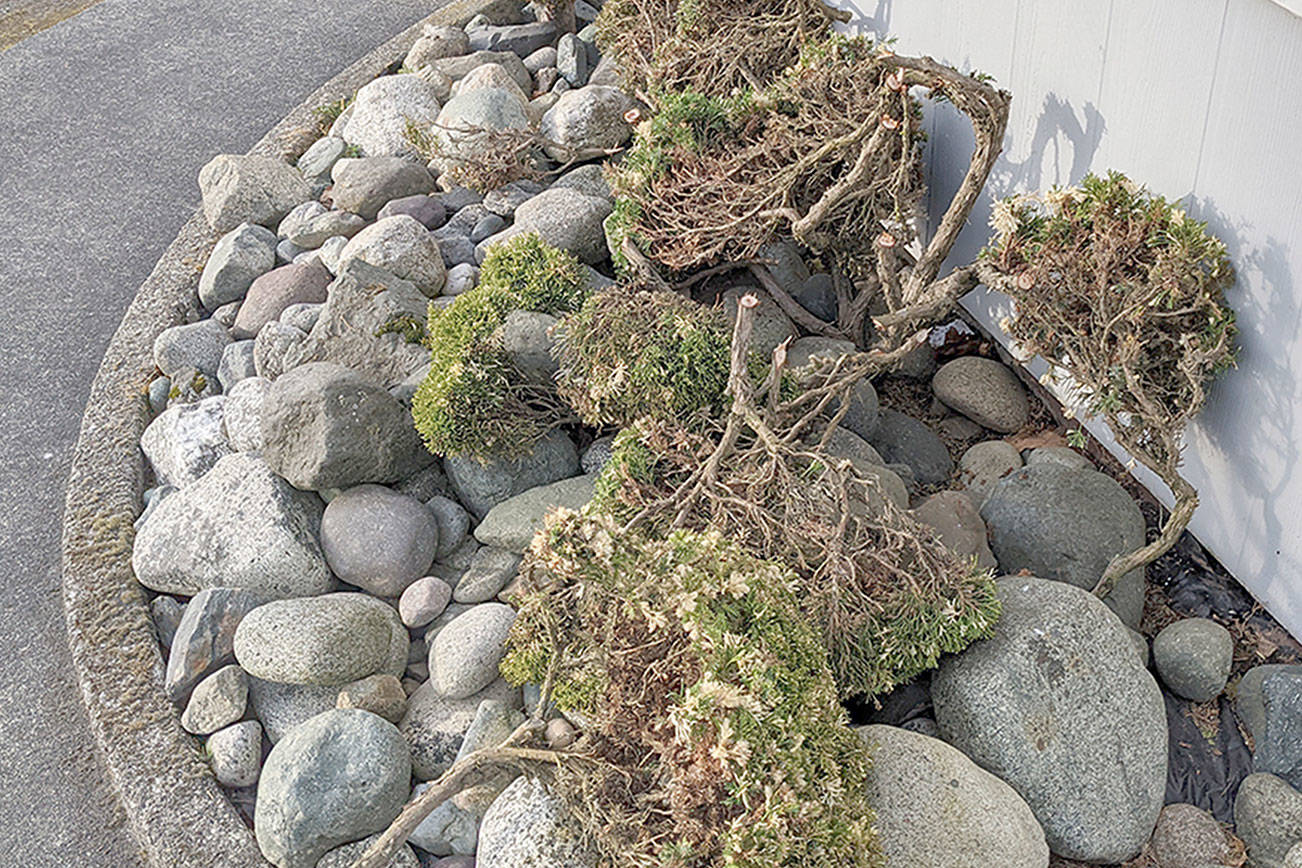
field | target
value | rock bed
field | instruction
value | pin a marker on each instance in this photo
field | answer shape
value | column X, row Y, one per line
column 332, row 599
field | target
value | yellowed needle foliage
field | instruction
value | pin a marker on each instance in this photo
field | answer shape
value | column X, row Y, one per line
column 713, row 736
column 1125, row 293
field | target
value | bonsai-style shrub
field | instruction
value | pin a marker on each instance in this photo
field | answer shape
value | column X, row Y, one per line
column 886, row 595
column 712, row 732
column 712, row 47
column 1123, row 292
column 827, row 154
column 475, row 401
column 630, row 353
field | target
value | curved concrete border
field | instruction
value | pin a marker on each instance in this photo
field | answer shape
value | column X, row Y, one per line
column 176, row 810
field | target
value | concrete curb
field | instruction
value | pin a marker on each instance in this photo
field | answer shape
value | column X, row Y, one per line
column 176, row 810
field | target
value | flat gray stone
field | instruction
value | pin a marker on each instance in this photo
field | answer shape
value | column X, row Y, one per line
column 241, row 526
column 983, row 465
column 237, row 364
column 959, row 526
column 480, row 487
column 217, row 701
column 325, row 426
column 1248, row 699
column 320, row 158
column 331, row 639
column 363, row 185
column 1279, row 749
column 424, row 600
column 521, row 39
column 457, row 68
column 512, row 524
column 463, row 657
column 901, row 439
column 340, row 776
column 195, row 345
column 1067, row 525
column 490, row 570
column 1057, row 705
column 565, row 218
column 236, row 754
column 938, row 809
column 205, row 637
column 453, row 523
column 436, row 44
column 453, row 827
column 380, row 694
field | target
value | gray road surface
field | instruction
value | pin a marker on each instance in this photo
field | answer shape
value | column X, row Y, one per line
column 105, row 119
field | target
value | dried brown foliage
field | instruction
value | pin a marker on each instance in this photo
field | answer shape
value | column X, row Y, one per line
column 712, row 47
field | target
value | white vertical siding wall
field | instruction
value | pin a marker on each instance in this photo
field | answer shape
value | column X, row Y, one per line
column 1197, row 99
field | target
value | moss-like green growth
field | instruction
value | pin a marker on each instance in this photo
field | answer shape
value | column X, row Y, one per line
column 633, row 353
column 887, row 596
column 714, row 736
column 408, row 327
column 475, row 401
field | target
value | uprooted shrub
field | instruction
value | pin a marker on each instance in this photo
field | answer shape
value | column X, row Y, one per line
column 713, row 47
column 887, row 596
column 712, row 734
column 631, row 353
column 828, row 154
column 475, row 401
column 1123, row 292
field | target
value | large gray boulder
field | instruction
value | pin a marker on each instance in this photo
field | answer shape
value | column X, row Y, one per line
column 338, row 777
column 1268, row 817
column 363, row 185
column 240, row 188
column 938, row 809
column 378, row 539
column 528, row 826
column 383, row 109
column 1067, row 525
column 329, row 639
column 355, row 327
column 512, row 524
column 238, row 257
column 435, row 725
column 239, row 526
column 1058, row 705
column 325, row 426
column 983, row 390
column 587, row 121
column 480, row 487
column 205, row 638
column 401, row 246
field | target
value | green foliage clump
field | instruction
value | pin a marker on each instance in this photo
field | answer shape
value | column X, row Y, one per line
column 1126, row 293
column 631, row 353
column 886, row 595
column 714, row 735
column 475, row 401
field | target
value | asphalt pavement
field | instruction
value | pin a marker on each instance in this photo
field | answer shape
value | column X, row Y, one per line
column 105, row 120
